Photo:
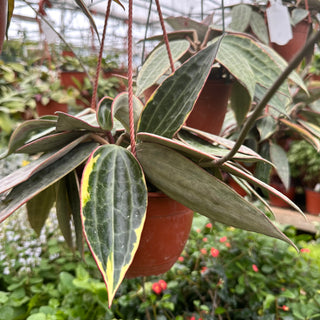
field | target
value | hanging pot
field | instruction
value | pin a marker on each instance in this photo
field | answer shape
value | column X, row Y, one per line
column 3, row 20
column 50, row 108
column 210, row 109
column 312, row 201
column 165, row 233
column 299, row 37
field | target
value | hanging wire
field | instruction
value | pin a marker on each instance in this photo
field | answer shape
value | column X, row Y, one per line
column 165, row 36
column 96, row 80
column 145, row 34
column 201, row 9
column 223, row 22
column 130, row 82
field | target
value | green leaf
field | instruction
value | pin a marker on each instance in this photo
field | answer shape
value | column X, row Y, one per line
column 259, row 27
column 28, row 131
column 240, row 15
column 294, row 76
column 250, row 64
column 266, row 127
column 279, row 159
column 298, row 15
column 184, row 181
column 63, row 211
column 113, row 203
column 168, row 108
column 69, row 122
column 38, row 208
column 42, row 179
column 10, row 13
column 240, row 101
column 73, row 191
column 198, row 149
column 120, row 109
column 237, row 65
column 86, row 11
column 51, row 142
column 45, row 160
column 158, row 63
column 184, row 23
column 104, row 116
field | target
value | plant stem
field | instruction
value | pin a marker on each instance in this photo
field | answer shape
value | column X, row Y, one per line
column 269, row 94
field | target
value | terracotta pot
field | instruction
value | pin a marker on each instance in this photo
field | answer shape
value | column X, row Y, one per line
column 237, row 188
column 3, row 20
column 66, row 53
column 210, row 109
column 312, row 201
column 67, row 78
column 163, row 238
column 300, row 34
column 50, row 108
column 278, row 202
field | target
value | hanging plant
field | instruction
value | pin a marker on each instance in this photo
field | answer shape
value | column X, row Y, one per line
column 124, row 149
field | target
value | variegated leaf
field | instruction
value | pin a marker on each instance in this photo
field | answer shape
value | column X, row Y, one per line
column 113, row 208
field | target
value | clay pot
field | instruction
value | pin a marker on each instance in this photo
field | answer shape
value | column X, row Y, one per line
column 165, row 233
column 50, row 108
column 300, row 34
column 3, row 20
column 210, row 109
column 236, row 187
column 278, row 202
column 67, row 78
column 312, row 201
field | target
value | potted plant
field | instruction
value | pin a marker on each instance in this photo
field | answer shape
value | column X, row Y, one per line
column 110, row 210
column 70, row 74
column 45, row 88
column 176, row 160
column 244, row 84
column 304, row 162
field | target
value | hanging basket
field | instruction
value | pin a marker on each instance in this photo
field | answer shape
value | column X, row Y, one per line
column 299, row 37
column 165, row 233
column 210, row 109
column 3, row 20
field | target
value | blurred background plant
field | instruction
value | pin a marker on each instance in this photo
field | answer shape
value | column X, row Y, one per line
column 223, row 273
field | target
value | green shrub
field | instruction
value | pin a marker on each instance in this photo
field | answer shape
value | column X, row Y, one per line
column 223, row 273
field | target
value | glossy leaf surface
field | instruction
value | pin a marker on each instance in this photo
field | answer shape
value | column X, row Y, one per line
column 29, row 131
column 42, row 179
column 38, row 208
column 120, row 109
column 63, row 211
column 113, row 207
column 104, row 117
column 168, row 108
